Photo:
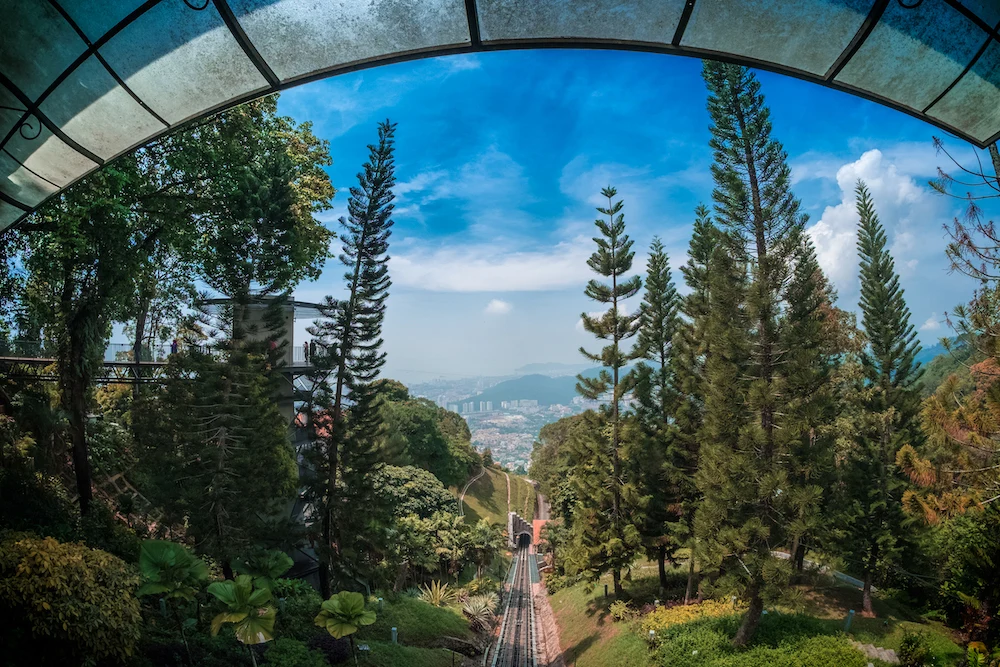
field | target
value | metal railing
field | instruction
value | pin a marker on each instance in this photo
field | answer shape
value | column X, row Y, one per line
column 114, row 352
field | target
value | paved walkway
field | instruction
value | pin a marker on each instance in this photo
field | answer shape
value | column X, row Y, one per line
column 461, row 496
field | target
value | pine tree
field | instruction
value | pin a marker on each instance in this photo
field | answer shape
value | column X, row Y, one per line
column 217, row 453
column 765, row 231
column 690, row 356
column 660, row 478
column 891, row 399
column 613, row 259
column 345, row 412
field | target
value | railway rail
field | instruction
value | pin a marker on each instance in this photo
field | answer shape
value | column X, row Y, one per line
column 517, row 643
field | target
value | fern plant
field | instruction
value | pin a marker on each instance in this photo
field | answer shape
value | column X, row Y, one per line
column 479, row 609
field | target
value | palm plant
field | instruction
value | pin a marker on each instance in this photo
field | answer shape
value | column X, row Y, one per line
column 170, row 570
column 253, row 622
column 264, row 567
column 343, row 614
column 485, row 540
column 437, row 594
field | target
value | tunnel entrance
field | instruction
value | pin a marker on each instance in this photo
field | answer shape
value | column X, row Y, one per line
column 523, row 540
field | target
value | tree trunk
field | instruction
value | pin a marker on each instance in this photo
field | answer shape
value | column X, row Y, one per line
column 616, row 576
column 74, row 381
column 140, row 329
column 661, row 557
column 692, row 577
column 751, row 619
column 866, row 596
column 800, row 557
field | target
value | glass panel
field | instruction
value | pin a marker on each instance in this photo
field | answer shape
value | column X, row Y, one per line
column 8, row 214
column 807, row 36
column 912, row 55
column 296, row 37
column 95, row 111
column 96, row 17
column 180, row 61
column 42, row 46
column 973, row 105
column 21, row 184
column 639, row 21
column 49, row 158
column 988, row 10
column 8, row 118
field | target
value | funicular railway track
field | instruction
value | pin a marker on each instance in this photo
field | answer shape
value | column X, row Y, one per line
column 516, row 646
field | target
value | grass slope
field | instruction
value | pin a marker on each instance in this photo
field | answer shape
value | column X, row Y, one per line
column 487, row 498
column 418, row 623
column 522, row 497
column 387, row 654
column 589, row 638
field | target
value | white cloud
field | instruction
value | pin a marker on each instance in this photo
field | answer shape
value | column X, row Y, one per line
column 906, row 210
column 498, row 307
column 491, row 267
column 932, row 323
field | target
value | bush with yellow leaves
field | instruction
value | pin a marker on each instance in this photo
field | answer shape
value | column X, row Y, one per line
column 66, row 602
column 664, row 617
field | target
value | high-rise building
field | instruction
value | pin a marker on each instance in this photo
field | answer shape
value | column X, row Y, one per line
column 489, row 406
column 482, row 406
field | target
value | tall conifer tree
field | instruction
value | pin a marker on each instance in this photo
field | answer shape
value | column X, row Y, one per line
column 751, row 503
column 891, row 399
column 345, row 412
column 613, row 259
column 691, row 352
column 660, row 478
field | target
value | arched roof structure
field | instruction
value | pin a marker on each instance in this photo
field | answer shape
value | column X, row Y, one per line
column 83, row 81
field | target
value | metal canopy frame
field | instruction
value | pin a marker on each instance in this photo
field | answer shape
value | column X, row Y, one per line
column 33, row 120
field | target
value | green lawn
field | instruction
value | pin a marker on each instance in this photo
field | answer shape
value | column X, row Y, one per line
column 417, row 623
column 522, row 497
column 487, row 499
column 387, row 654
column 589, row 638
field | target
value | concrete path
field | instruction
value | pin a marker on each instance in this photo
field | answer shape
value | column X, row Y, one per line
column 461, row 496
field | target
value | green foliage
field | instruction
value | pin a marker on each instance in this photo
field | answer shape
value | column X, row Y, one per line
column 421, row 434
column 343, row 614
column 264, row 566
column 480, row 610
column 293, row 653
column 621, row 610
column 782, row 641
column 33, row 501
column 482, row 585
column 914, row 650
column 297, row 605
column 418, row 623
column 69, row 603
column 410, row 490
column 170, row 570
column 437, row 594
column 253, row 623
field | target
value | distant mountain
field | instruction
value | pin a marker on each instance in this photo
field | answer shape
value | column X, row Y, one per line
column 929, row 352
column 546, row 390
column 552, row 369
column 542, row 388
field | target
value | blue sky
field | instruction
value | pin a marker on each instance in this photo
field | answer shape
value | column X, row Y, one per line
column 500, row 161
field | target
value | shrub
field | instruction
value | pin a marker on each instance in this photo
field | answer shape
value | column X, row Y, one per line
column 482, row 585
column 622, row 611
column 664, row 617
column 437, row 594
column 479, row 609
column 298, row 604
column 73, row 601
column 35, row 502
column 293, row 653
column 914, row 650
column 334, row 650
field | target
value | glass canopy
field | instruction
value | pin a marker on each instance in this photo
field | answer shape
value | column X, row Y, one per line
column 82, row 81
